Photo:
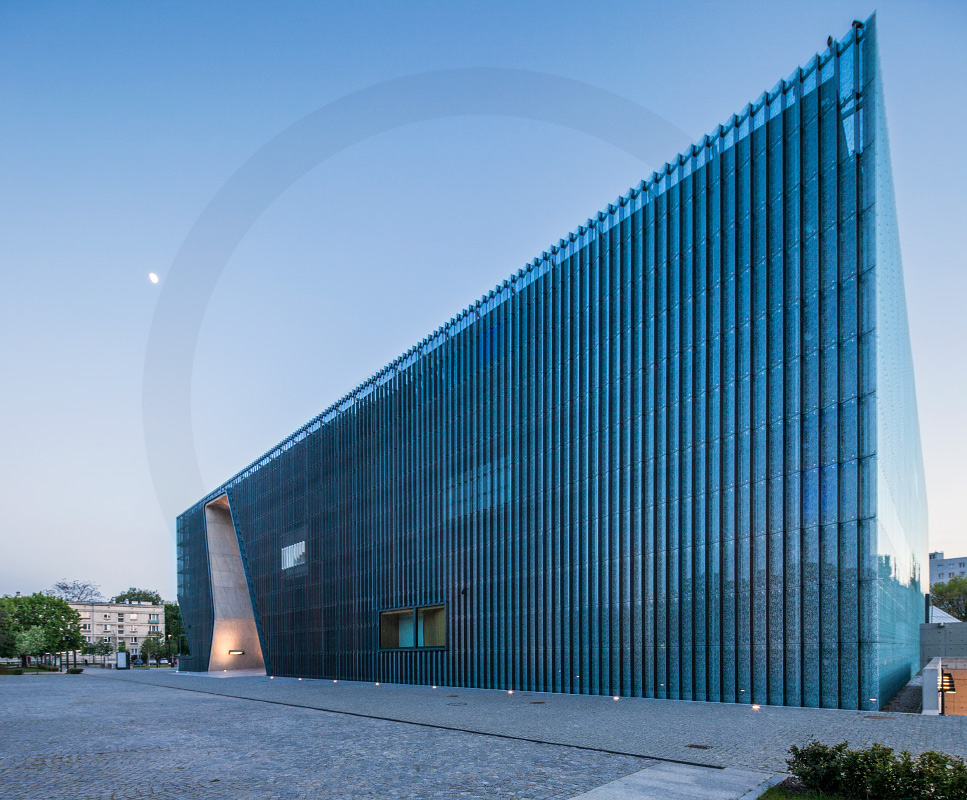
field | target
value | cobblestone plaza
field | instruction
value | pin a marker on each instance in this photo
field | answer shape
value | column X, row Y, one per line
column 141, row 734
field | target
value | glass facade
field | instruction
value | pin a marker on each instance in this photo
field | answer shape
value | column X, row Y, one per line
column 676, row 456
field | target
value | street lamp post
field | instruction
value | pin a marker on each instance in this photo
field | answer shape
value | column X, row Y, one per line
column 169, row 649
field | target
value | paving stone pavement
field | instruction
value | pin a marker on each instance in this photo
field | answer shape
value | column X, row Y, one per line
column 83, row 737
column 714, row 734
column 139, row 734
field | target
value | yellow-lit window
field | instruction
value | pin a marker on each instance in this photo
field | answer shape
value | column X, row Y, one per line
column 430, row 627
column 396, row 628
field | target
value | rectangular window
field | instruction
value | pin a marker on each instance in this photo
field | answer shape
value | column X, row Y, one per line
column 396, row 629
column 293, row 555
column 430, row 627
column 403, row 628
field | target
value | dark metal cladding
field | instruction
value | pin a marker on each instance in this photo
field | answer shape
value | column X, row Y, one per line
column 658, row 462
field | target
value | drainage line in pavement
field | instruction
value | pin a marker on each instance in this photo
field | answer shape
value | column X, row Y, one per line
column 423, row 724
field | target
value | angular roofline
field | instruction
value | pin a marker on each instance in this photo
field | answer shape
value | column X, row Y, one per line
column 733, row 130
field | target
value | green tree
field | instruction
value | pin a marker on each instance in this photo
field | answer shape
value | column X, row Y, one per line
column 951, row 597
column 30, row 642
column 134, row 595
column 174, row 625
column 8, row 642
column 153, row 646
column 101, row 649
column 60, row 623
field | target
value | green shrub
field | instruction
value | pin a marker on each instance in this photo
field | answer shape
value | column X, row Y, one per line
column 878, row 773
column 17, row 671
column 818, row 766
column 75, row 670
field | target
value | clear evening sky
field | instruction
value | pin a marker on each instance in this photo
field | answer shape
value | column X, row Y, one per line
column 120, row 122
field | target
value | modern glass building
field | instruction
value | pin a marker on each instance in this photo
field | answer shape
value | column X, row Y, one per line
column 676, row 456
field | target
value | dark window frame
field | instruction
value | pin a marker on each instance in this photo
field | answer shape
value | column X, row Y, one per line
column 415, row 612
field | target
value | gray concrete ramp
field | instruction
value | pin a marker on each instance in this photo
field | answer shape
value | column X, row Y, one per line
column 668, row 781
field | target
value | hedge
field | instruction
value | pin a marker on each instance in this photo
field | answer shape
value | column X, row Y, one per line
column 878, row 772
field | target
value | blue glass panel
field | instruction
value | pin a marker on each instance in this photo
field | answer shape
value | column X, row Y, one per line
column 676, row 457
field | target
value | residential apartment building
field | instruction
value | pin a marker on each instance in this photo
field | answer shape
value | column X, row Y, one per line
column 943, row 569
column 130, row 623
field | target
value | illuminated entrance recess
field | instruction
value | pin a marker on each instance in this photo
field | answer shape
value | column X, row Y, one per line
column 235, row 639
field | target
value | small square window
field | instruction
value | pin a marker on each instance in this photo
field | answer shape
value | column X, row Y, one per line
column 396, row 629
column 293, row 555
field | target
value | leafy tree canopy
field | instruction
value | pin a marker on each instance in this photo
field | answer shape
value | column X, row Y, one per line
column 174, row 624
column 154, row 646
column 101, row 648
column 76, row 591
column 134, row 595
column 31, row 642
column 8, row 647
column 60, row 623
column 951, row 597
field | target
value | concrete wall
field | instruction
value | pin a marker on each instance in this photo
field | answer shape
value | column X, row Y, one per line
column 234, row 627
column 942, row 640
column 931, row 685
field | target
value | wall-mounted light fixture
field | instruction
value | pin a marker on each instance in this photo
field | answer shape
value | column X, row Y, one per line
column 236, row 652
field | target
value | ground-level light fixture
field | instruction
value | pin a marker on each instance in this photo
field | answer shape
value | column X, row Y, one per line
column 756, row 706
column 615, row 697
column 236, row 652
